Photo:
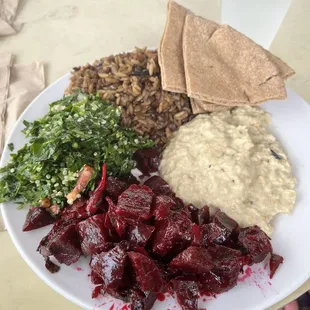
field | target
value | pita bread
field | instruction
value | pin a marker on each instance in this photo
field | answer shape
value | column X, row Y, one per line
column 170, row 52
column 232, row 69
column 215, row 65
column 285, row 70
column 199, row 106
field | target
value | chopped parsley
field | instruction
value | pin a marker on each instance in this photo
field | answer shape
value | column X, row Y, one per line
column 11, row 147
column 77, row 130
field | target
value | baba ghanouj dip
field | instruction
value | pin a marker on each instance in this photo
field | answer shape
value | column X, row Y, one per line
column 230, row 160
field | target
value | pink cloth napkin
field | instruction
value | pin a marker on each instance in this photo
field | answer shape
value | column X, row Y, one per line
column 19, row 85
column 8, row 10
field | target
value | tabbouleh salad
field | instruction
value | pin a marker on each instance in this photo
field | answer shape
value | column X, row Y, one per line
column 78, row 130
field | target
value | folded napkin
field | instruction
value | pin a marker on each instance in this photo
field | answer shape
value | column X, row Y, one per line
column 19, row 85
column 8, row 9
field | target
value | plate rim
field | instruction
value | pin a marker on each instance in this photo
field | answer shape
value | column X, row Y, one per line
column 266, row 304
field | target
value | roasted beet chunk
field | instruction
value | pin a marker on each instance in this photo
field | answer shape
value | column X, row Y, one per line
column 211, row 233
column 62, row 242
column 161, row 207
column 142, row 301
column 148, row 275
column 187, row 294
column 193, row 212
column 172, row 235
column 147, row 160
column 219, row 253
column 94, row 238
column 75, row 211
column 211, row 284
column 221, row 278
column 203, row 215
column 50, row 266
column 193, row 260
column 37, row 218
column 66, row 248
column 135, row 203
column 255, row 243
column 110, row 266
column 139, row 234
column 158, row 185
column 275, row 261
column 115, row 187
column 225, row 273
column 131, row 179
column 114, row 222
column 227, row 224
column 197, row 236
column 199, row 216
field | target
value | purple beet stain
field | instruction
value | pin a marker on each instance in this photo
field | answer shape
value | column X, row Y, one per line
column 79, row 269
column 112, row 307
column 269, row 283
column 246, row 275
column 161, row 297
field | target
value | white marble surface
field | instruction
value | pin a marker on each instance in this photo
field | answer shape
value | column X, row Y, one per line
column 67, row 33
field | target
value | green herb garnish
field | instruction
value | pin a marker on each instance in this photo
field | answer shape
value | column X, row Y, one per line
column 77, row 130
column 11, row 147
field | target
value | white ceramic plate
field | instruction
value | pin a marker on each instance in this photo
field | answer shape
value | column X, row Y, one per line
column 291, row 124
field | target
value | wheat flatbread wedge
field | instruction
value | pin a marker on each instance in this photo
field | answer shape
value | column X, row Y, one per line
column 231, row 69
column 170, row 51
column 284, row 69
column 199, row 106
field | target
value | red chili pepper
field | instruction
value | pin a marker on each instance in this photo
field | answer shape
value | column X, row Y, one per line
column 95, row 198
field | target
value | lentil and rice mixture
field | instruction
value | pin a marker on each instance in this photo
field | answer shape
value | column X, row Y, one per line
column 133, row 82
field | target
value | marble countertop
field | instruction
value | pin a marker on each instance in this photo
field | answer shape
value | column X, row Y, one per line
column 68, row 33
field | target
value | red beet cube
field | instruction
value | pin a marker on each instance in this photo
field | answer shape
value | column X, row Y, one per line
column 115, row 187
column 193, row 213
column 221, row 278
column 161, row 207
column 158, row 185
column 142, row 300
column 93, row 236
column 110, row 266
column 117, row 222
column 187, row 294
column 172, row 235
column 147, row 160
column 37, row 218
column 255, row 243
column 199, row 216
column 193, row 260
column 197, row 236
column 139, row 234
column 225, row 273
column 203, row 215
column 220, row 253
column 65, row 245
column 50, row 266
column 148, row 275
column 212, row 233
column 135, row 203
column 274, row 263
column 75, row 211
column 95, row 279
column 227, row 224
